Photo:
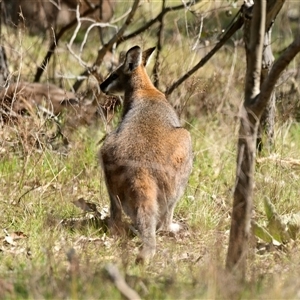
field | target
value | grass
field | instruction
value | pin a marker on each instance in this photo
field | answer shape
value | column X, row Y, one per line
column 186, row 266
column 42, row 257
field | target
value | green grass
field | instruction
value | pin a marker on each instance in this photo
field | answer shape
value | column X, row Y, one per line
column 187, row 266
column 53, row 260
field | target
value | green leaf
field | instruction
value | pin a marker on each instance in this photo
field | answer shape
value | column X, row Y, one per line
column 261, row 232
column 269, row 208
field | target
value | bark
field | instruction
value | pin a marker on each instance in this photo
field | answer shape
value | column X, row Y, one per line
column 242, row 204
column 268, row 85
column 160, row 33
column 267, row 120
column 3, row 68
column 257, row 97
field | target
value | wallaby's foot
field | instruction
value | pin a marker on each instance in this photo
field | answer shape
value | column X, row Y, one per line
column 175, row 227
column 171, row 227
column 170, row 230
column 145, row 255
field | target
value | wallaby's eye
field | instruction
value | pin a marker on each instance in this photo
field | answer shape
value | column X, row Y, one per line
column 130, row 65
column 114, row 76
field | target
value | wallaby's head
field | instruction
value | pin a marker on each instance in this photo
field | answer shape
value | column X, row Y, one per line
column 133, row 66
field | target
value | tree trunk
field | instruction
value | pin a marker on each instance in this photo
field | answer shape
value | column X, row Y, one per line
column 242, row 203
column 257, row 97
column 267, row 122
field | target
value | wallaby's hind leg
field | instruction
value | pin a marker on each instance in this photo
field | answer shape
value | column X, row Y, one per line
column 115, row 222
column 146, row 225
column 166, row 220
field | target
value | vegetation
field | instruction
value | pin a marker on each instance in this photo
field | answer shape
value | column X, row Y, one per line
column 53, row 249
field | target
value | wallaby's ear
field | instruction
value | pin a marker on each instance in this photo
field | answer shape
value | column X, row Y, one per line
column 146, row 55
column 133, row 58
column 122, row 57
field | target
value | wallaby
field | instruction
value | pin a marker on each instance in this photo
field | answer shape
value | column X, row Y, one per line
column 147, row 160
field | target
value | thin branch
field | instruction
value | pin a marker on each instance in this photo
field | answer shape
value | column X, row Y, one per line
column 120, row 283
column 121, row 17
column 228, row 34
column 79, row 23
column 57, row 5
column 230, row 78
column 160, row 33
column 118, row 35
column 54, row 44
column 156, row 19
column 266, row 90
column 108, row 46
column 273, row 8
column 101, row 25
column 101, row 16
column 89, row 4
column 199, row 33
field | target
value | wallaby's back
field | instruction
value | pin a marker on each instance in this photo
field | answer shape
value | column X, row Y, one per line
column 148, row 158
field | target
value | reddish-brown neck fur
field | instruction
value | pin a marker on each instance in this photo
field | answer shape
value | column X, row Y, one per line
column 140, row 87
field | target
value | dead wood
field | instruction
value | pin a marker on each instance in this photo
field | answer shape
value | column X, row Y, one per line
column 121, row 284
column 24, row 96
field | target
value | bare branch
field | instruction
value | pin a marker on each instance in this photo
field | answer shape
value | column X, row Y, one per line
column 121, row 284
column 228, row 34
column 156, row 19
column 159, row 47
column 273, row 8
column 266, row 90
column 255, row 49
column 54, row 44
column 79, row 23
column 199, row 33
column 108, row 46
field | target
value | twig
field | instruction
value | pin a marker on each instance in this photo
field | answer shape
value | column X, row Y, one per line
column 120, row 283
column 0, row 22
column 101, row 25
column 268, row 85
column 228, row 34
column 121, row 17
column 25, row 193
column 89, row 4
column 79, row 23
column 282, row 161
column 108, row 46
column 199, row 34
column 54, row 44
column 57, row 5
column 153, row 21
column 70, row 44
column 230, row 77
column 159, row 47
